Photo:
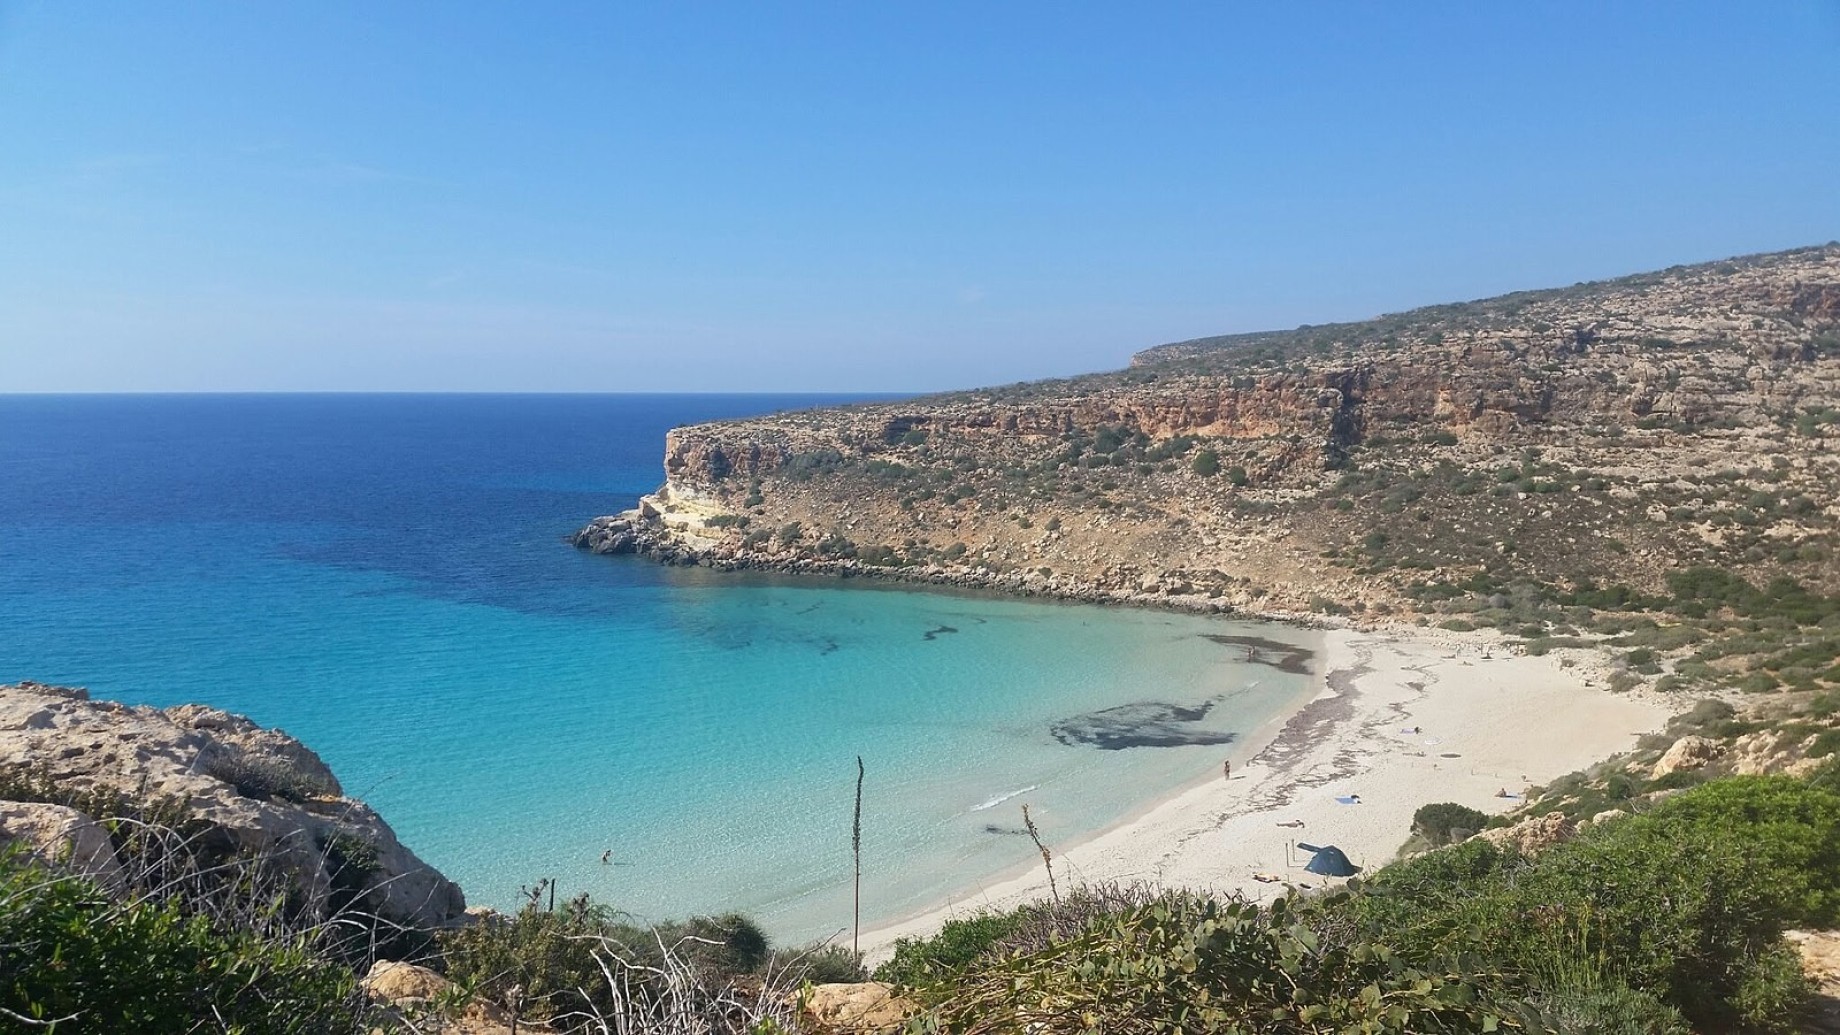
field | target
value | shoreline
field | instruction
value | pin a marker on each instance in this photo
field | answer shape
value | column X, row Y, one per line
column 1487, row 720
column 645, row 532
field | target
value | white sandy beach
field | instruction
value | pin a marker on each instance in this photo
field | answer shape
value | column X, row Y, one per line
column 1488, row 719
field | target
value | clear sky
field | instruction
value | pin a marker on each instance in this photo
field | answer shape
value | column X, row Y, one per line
column 852, row 196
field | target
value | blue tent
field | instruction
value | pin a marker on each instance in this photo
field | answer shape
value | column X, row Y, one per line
column 1329, row 861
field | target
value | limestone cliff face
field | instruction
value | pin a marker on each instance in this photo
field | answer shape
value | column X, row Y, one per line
column 254, row 790
column 1252, row 468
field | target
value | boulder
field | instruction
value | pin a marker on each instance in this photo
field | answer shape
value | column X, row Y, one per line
column 392, row 982
column 257, row 792
column 1534, row 835
column 61, row 836
column 1687, row 753
column 428, row 1002
column 857, row 1008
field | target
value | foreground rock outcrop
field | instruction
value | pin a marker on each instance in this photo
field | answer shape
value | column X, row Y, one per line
column 426, row 1003
column 248, row 791
column 1532, row 835
column 856, row 1008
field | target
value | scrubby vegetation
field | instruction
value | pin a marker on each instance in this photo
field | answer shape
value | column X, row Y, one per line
column 1669, row 920
column 129, row 954
column 1445, row 822
column 581, row 963
column 1654, row 923
column 76, row 958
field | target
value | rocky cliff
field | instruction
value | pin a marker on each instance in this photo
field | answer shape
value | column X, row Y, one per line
column 1611, row 431
column 234, row 789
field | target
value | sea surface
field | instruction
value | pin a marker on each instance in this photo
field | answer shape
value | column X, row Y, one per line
column 385, row 577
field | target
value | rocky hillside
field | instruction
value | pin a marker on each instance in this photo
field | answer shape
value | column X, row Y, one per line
column 79, row 777
column 1454, row 462
column 1613, row 429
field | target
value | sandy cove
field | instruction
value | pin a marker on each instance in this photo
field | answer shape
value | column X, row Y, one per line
column 1487, row 720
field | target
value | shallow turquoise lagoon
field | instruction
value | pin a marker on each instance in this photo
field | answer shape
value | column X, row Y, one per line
column 384, row 577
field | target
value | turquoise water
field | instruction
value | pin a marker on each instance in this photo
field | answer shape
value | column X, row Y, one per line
column 384, row 577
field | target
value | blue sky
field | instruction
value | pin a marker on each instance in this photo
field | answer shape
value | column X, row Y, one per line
column 852, row 196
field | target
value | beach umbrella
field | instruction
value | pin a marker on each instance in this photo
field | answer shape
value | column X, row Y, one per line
column 1329, row 861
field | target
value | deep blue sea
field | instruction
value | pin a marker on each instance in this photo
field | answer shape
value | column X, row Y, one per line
column 385, row 577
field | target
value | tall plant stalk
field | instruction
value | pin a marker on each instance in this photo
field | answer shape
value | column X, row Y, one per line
column 1047, row 857
column 856, row 850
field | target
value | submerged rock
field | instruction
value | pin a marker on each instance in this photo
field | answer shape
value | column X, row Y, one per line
column 1142, row 724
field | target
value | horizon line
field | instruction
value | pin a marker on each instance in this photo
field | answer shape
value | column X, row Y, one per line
column 30, row 393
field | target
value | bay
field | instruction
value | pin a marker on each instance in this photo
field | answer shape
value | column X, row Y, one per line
column 385, row 577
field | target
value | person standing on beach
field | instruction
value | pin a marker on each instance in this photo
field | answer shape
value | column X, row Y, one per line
column 1226, row 769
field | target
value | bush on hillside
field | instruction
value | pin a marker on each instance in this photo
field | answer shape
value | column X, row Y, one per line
column 70, row 951
column 1191, row 963
column 820, row 964
column 1447, row 822
column 1689, row 900
column 581, row 962
column 1647, row 924
column 1792, row 824
column 917, row 961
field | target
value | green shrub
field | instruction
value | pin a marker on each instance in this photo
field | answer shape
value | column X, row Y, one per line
column 1445, row 822
column 1689, row 900
column 554, row 958
column 820, row 964
column 1577, row 998
column 67, row 949
column 1825, row 743
column 1704, row 715
column 265, row 778
column 1206, row 463
column 918, row 961
column 1792, row 828
column 547, row 955
column 1186, row 963
column 1679, row 779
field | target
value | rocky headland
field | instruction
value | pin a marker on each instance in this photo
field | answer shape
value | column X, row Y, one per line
column 1610, row 431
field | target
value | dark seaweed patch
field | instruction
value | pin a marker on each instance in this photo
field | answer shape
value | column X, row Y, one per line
column 1142, row 724
column 1285, row 657
column 934, row 634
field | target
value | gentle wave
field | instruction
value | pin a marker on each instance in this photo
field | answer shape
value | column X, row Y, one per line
column 1001, row 798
